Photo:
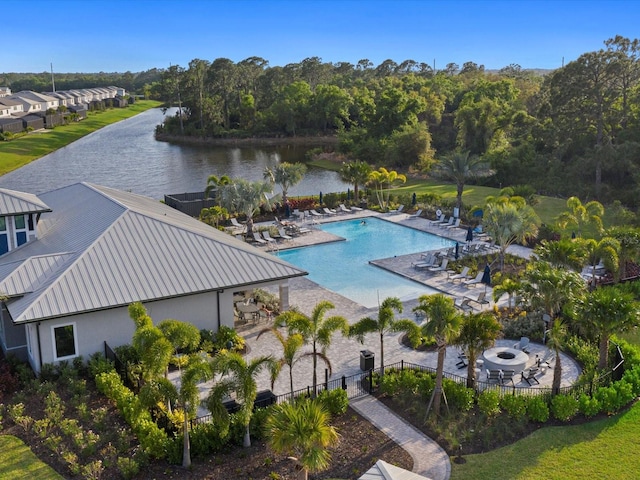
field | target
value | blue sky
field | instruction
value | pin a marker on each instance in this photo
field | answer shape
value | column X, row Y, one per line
column 136, row 35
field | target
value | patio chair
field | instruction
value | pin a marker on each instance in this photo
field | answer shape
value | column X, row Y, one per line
column 356, row 209
column 329, row 211
column 397, row 210
column 464, row 305
column 441, row 268
column 447, row 223
column 462, row 361
column 343, row 209
column 438, row 220
column 545, row 362
column 259, row 239
column 456, row 224
column 430, row 260
column 284, row 236
column 237, row 225
column 522, row 344
column 415, row 215
column 480, row 299
column 494, row 376
column 474, row 281
column 530, row 376
column 267, row 236
column 463, row 275
column 507, row 376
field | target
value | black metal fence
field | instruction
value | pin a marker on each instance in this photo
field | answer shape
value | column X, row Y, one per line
column 120, row 366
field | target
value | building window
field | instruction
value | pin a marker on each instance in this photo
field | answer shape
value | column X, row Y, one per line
column 64, row 341
column 4, row 238
column 19, row 220
column 21, row 229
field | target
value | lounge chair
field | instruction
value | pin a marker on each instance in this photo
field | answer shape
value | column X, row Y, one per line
column 494, row 376
column 522, row 344
column 441, row 268
column 464, row 305
column 283, row 235
column 438, row 220
column 462, row 361
column 530, row 376
column 429, row 261
column 315, row 214
column 480, row 299
column 456, row 224
column 343, row 209
column 447, row 223
column 329, row 211
column 416, row 215
column 267, row 236
column 259, row 239
column 235, row 224
column 474, row 281
column 397, row 210
column 463, row 275
column 356, row 209
column 545, row 362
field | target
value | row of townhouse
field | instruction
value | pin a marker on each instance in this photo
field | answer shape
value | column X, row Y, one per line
column 24, row 109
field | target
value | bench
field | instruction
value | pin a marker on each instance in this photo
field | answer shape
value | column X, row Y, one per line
column 494, row 376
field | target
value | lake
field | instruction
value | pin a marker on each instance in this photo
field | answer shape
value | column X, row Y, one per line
column 126, row 156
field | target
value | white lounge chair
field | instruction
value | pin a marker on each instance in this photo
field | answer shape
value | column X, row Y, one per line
column 235, row 224
column 438, row 220
column 259, row 239
column 343, row 209
column 441, row 268
column 397, row 210
column 480, row 299
column 315, row 214
column 464, row 305
column 456, row 224
column 356, row 209
column 329, row 211
column 447, row 223
column 416, row 215
column 460, row 276
column 284, row 236
column 267, row 236
column 430, row 260
column 474, row 281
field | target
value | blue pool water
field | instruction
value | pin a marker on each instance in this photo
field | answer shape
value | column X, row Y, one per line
column 344, row 266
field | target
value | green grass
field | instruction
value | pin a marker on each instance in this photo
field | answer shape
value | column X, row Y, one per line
column 601, row 449
column 18, row 461
column 21, row 151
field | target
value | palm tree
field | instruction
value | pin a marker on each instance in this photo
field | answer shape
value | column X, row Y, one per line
column 556, row 336
column 605, row 249
column 510, row 220
column 302, row 429
column 460, row 167
column 290, row 348
column 629, row 240
column 606, row 311
column 356, row 173
column 213, row 215
column 237, row 376
column 509, row 286
column 315, row 330
column 382, row 181
column 479, row 331
column 563, row 253
column 385, row 324
column 197, row 370
column 286, row 175
column 214, row 183
column 443, row 323
column 580, row 215
column 242, row 196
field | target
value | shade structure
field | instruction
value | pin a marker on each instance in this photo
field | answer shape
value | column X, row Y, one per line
column 320, row 198
column 457, row 254
column 469, row 234
column 414, row 200
column 287, row 209
column 348, row 194
column 486, row 276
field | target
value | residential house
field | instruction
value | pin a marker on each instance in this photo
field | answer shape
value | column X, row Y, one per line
column 16, row 107
column 46, row 102
column 95, row 250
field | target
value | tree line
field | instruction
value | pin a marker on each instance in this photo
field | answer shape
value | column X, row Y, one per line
column 573, row 131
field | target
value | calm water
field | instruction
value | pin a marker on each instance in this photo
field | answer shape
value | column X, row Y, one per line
column 344, row 268
column 126, row 156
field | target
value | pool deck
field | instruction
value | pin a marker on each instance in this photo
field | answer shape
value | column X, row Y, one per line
column 344, row 353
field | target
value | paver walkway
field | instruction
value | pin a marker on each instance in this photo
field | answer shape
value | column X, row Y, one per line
column 429, row 459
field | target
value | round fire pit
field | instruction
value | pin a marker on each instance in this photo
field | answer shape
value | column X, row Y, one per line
column 505, row 358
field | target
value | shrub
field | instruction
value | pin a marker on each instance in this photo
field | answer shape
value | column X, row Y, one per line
column 128, row 467
column 8, row 381
column 564, row 407
column 205, row 439
column 537, row 409
column 458, row 395
column 624, row 392
column 632, row 376
column 514, row 405
column 98, row 364
column 588, row 406
column 226, row 336
column 489, row 403
column 93, row 470
column 335, row 401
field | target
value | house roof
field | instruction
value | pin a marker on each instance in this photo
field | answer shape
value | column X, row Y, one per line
column 16, row 203
column 102, row 248
column 385, row 471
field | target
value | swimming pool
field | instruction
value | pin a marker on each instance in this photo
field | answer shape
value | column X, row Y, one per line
column 344, row 266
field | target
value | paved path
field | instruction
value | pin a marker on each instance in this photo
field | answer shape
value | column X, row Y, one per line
column 429, row 459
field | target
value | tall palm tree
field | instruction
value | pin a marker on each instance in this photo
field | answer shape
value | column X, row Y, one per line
column 385, row 323
column 240, row 377
column 316, row 331
column 479, row 331
column 460, row 167
column 302, row 429
column 604, row 312
column 443, row 323
column 290, row 351
column 286, row 175
column 197, row 370
column 580, row 215
column 356, row 173
column 382, row 181
column 629, row 240
column 556, row 337
column 242, row 196
column 214, row 183
column 563, row 253
column 509, row 221
column 606, row 250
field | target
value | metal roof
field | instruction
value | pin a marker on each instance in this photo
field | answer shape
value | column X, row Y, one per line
column 16, row 203
column 115, row 248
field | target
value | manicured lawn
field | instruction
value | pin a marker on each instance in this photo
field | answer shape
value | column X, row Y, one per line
column 601, row 449
column 23, row 150
column 18, row 461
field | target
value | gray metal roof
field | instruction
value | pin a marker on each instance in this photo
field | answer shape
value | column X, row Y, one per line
column 114, row 248
column 16, row 203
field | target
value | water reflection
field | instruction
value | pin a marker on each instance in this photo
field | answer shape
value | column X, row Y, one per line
column 125, row 155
